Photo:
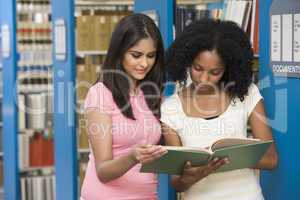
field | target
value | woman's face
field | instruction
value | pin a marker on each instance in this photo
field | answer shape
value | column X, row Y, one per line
column 206, row 71
column 139, row 59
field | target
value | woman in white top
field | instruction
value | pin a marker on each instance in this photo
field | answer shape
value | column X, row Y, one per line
column 211, row 60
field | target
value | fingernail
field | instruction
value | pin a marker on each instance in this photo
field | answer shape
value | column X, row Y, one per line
column 226, row 160
column 215, row 159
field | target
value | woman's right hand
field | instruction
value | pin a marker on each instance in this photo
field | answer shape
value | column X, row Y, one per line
column 192, row 174
column 145, row 153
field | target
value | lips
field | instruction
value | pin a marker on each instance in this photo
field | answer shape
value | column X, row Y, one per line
column 140, row 71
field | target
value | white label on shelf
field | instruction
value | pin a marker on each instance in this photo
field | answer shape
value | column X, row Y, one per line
column 115, row 19
column 102, row 20
column 275, row 38
column 297, row 38
column 287, row 37
column 60, row 39
column 5, row 41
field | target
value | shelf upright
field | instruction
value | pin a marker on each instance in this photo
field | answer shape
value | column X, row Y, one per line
column 164, row 9
column 9, row 109
column 281, row 97
column 64, row 72
column 265, row 73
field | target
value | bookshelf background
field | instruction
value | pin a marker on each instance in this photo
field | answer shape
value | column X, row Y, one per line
column 35, row 74
column 34, row 86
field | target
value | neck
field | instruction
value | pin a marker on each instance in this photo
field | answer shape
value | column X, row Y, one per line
column 133, row 86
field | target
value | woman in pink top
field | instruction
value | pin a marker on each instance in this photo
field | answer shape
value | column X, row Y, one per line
column 122, row 112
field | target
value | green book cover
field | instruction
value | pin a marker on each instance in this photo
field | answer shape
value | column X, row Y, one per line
column 242, row 153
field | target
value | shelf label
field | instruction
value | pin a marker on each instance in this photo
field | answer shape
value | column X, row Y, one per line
column 5, row 41
column 60, row 39
column 297, row 38
column 287, row 37
column 275, row 38
column 285, row 44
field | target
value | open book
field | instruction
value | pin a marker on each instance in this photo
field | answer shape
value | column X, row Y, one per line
column 242, row 153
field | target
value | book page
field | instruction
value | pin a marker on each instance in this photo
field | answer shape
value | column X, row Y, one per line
column 228, row 142
column 187, row 149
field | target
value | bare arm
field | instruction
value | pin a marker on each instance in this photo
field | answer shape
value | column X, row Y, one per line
column 99, row 127
column 190, row 174
column 261, row 130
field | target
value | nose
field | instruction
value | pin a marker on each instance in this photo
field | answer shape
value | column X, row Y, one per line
column 204, row 77
column 144, row 62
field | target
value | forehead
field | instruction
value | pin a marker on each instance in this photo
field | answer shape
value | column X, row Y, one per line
column 144, row 45
column 209, row 59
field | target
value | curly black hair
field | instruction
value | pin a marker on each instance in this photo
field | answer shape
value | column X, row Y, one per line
column 230, row 42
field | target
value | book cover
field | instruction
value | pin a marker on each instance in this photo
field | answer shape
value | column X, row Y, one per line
column 242, row 153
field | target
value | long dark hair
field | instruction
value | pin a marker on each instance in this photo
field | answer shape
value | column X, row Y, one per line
column 128, row 32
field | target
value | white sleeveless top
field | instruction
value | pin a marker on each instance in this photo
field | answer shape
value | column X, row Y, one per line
column 198, row 132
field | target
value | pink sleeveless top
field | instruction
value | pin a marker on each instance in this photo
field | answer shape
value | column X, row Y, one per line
column 126, row 133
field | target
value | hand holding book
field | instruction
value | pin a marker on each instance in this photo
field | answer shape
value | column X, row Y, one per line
column 242, row 153
column 146, row 153
column 192, row 174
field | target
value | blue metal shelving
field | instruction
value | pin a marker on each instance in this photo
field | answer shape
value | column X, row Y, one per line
column 64, row 70
column 286, row 176
column 281, row 96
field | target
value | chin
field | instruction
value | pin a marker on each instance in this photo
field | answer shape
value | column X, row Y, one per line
column 205, row 89
column 139, row 77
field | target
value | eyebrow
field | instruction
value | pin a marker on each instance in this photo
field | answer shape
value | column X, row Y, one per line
column 133, row 51
column 217, row 68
